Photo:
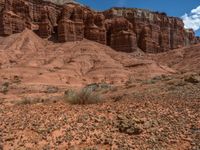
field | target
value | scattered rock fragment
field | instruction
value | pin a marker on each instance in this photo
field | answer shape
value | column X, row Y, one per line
column 192, row 79
column 128, row 125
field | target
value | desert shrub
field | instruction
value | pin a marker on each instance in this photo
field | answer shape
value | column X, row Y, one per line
column 98, row 86
column 177, row 82
column 157, row 79
column 4, row 88
column 192, row 79
column 31, row 100
column 25, row 101
column 130, row 80
column 16, row 79
column 150, row 81
column 51, row 89
column 82, row 97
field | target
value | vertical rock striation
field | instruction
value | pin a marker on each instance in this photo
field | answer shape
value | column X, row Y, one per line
column 155, row 32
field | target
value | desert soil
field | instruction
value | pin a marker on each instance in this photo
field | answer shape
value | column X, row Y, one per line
column 148, row 101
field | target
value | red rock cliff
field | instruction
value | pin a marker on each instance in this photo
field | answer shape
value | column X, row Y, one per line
column 155, row 32
column 121, row 28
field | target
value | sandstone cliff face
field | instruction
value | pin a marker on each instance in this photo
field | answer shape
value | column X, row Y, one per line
column 120, row 35
column 16, row 15
column 60, row 2
column 155, row 32
column 122, row 29
column 70, row 25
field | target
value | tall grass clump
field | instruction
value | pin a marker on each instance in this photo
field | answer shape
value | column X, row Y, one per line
column 82, row 97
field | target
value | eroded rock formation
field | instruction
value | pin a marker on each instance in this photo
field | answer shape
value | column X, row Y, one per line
column 155, row 32
column 95, row 28
column 120, row 34
column 122, row 29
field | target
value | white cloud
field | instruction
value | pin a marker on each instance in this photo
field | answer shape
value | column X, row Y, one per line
column 192, row 20
column 121, row 3
column 196, row 11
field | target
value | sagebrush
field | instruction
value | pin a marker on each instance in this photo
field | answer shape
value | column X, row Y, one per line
column 82, row 97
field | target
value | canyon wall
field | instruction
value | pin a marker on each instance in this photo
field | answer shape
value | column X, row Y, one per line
column 122, row 29
column 154, row 31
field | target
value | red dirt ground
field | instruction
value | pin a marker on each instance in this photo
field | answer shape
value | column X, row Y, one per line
column 152, row 101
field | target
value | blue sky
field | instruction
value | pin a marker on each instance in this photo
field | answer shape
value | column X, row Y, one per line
column 187, row 9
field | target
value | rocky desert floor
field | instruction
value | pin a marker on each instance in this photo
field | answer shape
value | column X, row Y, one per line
column 147, row 102
column 161, row 113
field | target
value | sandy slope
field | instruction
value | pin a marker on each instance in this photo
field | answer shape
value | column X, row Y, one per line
column 183, row 59
column 75, row 63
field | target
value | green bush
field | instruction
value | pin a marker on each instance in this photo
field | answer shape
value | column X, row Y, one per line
column 82, row 97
